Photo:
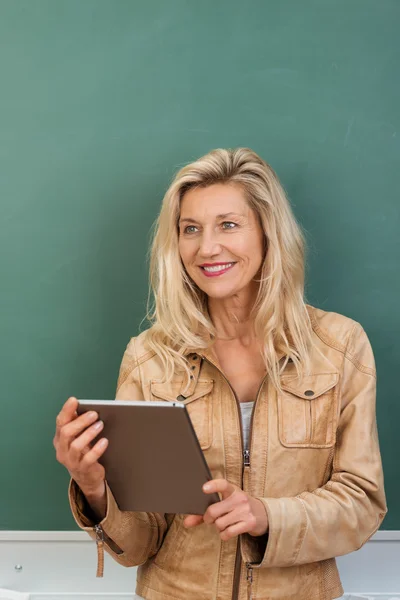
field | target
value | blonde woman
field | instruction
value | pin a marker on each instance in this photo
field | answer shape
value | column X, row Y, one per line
column 281, row 395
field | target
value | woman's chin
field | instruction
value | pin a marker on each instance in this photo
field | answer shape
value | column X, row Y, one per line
column 220, row 292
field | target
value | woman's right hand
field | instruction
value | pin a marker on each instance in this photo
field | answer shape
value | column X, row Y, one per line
column 72, row 443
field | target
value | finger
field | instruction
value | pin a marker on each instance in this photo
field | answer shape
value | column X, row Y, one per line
column 67, row 413
column 235, row 530
column 219, row 485
column 193, row 520
column 81, row 444
column 217, row 510
column 74, row 428
column 94, row 454
column 240, row 513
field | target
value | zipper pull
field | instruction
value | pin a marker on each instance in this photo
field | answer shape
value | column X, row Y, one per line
column 100, row 550
column 249, row 578
column 246, row 458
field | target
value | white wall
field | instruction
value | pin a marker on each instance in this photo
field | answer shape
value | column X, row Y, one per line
column 62, row 565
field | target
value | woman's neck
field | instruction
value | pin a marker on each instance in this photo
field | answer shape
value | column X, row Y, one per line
column 232, row 320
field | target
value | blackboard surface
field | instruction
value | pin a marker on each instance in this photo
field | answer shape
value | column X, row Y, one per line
column 101, row 102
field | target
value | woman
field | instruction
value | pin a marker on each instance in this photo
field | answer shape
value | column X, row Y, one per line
column 281, row 395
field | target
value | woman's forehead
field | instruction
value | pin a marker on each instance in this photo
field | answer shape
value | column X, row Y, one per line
column 215, row 200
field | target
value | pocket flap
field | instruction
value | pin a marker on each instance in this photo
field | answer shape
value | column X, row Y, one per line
column 311, row 386
column 170, row 391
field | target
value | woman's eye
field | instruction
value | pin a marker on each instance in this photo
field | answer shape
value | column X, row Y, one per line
column 229, row 223
column 192, row 228
column 189, row 227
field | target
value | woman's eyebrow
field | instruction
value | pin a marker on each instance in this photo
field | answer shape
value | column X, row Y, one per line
column 222, row 216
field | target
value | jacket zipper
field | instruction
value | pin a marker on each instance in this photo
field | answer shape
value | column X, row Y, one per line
column 101, row 537
column 245, row 463
column 249, row 579
column 100, row 550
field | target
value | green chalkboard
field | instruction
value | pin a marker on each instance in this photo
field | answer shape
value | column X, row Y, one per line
column 101, row 102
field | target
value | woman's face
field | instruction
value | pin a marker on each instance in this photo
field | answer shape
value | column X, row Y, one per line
column 218, row 228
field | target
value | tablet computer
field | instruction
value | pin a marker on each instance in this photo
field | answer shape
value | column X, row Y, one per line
column 153, row 461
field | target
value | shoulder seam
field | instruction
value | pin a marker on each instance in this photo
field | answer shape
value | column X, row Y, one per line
column 149, row 354
column 325, row 337
column 133, row 363
column 354, row 360
column 138, row 361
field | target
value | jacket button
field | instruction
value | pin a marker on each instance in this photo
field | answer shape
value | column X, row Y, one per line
column 309, row 393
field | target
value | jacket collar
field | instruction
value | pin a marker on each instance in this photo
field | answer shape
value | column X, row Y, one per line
column 320, row 362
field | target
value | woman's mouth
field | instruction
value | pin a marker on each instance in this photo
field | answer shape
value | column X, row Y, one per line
column 214, row 271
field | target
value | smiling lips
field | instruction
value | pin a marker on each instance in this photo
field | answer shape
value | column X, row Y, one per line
column 218, row 269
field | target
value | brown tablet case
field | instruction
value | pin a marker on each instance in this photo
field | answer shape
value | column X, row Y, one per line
column 153, row 461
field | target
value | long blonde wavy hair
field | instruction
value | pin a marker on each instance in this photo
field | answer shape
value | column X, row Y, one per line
column 178, row 310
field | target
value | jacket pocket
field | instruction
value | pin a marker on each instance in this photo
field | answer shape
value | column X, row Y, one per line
column 199, row 405
column 169, row 551
column 308, row 411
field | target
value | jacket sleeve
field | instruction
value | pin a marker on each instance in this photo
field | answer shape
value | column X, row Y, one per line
column 129, row 537
column 343, row 514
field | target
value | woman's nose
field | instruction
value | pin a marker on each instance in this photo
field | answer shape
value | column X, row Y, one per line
column 209, row 245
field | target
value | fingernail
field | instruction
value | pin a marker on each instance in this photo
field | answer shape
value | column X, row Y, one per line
column 98, row 425
column 206, row 487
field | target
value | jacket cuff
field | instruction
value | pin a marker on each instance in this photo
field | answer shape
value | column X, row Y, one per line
column 287, row 519
column 83, row 515
column 253, row 548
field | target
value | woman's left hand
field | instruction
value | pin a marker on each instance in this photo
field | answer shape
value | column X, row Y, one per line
column 236, row 513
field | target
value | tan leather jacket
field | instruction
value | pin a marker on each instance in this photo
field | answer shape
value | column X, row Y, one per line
column 314, row 462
